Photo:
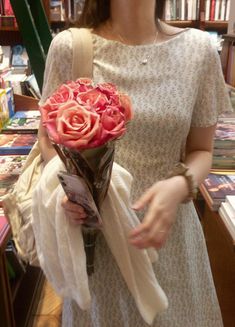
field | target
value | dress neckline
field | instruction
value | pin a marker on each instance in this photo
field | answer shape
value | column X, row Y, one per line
column 140, row 46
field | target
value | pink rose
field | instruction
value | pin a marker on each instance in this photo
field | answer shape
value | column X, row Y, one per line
column 93, row 98
column 110, row 91
column 63, row 94
column 112, row 124
column 81, row 116
column 80, row 85
column 126, row 105
column 60, row 96
column 76, row 126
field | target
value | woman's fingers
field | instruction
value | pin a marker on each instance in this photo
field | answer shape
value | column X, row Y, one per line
column 154, row 230
column 74, row 212
column 143, row 200
column 156, row 239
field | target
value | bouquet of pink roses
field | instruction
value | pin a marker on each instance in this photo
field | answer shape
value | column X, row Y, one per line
column 82, row 122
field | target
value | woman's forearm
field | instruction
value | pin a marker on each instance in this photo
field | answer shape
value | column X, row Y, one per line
column 199, row 163
column 46, row 148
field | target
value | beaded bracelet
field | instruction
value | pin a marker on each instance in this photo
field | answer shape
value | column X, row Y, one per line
column 180, row 169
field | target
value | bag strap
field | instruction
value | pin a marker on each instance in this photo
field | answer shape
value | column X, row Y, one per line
column 82, row 65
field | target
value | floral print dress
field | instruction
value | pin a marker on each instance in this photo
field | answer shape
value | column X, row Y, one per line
column 180, row 87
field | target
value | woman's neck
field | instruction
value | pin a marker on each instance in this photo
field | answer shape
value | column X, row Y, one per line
column 132, row 21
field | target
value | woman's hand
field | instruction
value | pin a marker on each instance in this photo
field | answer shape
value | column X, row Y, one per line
column 74, row 212
column 162, row 200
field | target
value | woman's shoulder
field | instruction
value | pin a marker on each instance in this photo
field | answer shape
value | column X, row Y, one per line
column 193, row 37
column 61, row 40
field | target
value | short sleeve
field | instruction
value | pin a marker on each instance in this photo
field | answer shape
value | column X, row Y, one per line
column 212, row 97
column 58, row 68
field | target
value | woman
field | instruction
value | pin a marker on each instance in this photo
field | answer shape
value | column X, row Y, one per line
column 174, row 79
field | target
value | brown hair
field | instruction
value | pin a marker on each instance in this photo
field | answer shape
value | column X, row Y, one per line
column 96, row 12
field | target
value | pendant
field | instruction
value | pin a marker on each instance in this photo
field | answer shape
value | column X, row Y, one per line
column 144, row 61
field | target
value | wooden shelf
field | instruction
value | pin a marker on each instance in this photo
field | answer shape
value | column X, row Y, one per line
column 183, row 23
column 229, row 37
column 23, row 101
column 220, row 248
column 216, row 25
column 10, row 36
column 9, row 28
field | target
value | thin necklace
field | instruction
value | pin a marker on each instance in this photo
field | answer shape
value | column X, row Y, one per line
column 144, row 60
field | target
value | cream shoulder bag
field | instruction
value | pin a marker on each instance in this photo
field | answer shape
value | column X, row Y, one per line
column 17, row 203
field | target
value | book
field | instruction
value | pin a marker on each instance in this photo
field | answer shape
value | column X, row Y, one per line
column 23, row 122
column 212, row 10
column 228, row 216
column 20, row 144
column 6, row 56
column 7, row 181
column 216, row 187
column 224, row 142
column 4, row 113
column 4, row 225
column 15, row 81
column 10, row 168
column 10, row 101
column 19, row 56
column 12, row 164
column 231, row 200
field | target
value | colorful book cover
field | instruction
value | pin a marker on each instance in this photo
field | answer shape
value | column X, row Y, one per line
column 19, row 56
column 4, row 112
column 3, row 223
column 20, row 144
column 23, row 122
column 225, row 133
column 212, row 10
column 10, row 169
column 12, row 164
column 10, row 101
column 220, row 185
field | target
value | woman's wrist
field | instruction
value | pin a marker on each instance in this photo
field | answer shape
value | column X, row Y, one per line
column 185, row 181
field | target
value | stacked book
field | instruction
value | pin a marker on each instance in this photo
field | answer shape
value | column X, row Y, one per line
column 227, row 213
column 224, row 143
column 217, row 186
column 10, row 169
column 17, row 137
column 23, row 122
column 216, row 10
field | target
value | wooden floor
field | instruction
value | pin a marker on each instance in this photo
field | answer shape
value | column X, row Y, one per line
column 48, row 311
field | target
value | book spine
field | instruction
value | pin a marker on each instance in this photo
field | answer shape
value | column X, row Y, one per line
column 20, row 150
column 223, row 10
column 168, row 10
column 212, row 10
column 190, row 8
column 207, row 9
column 227, row 10
column 177, row 9
column 182, row 14
column 194, row 9
column 217, row 9
column 19, row 131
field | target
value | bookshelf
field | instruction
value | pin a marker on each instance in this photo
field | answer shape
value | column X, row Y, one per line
column 201, row 23
column 227, row 59
column 18, row 296
column 221, row 250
